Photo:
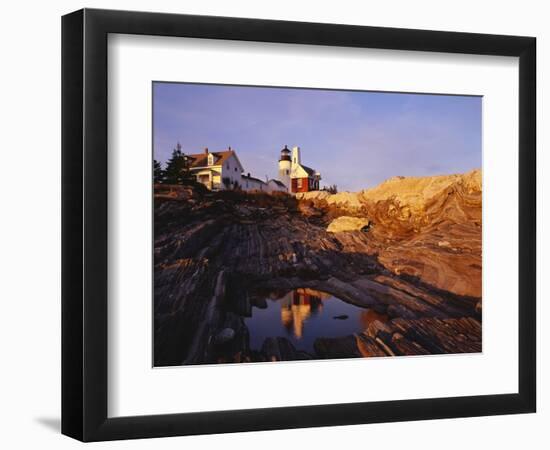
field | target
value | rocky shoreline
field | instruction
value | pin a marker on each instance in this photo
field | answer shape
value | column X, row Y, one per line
column 215, row 251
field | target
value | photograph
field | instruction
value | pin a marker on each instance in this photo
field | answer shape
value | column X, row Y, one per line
column 267, row 225
column 295, row 224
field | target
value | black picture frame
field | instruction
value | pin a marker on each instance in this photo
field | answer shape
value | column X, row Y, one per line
column 84, row 224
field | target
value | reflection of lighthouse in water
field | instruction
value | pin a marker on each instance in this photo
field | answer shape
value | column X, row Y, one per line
column 297, row 306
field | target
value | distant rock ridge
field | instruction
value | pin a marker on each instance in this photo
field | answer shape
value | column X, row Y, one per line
column 413, row 192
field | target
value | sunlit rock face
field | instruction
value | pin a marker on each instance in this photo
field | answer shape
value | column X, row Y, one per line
column 346, row 223
column 349, row 200
column 434, row 228
column 425, row 227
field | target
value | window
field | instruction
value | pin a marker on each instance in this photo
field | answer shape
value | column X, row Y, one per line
column 299, row 183
column 235, row 169
column 287, row 172
column 227, row 165
column 210, row 159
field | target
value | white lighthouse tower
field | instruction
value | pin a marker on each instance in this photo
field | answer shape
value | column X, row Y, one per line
column 285, row 167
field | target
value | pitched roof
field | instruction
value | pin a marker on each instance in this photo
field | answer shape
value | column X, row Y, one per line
column 248, row 177
column 309, row 170
column 277, row 182
column 200, row 159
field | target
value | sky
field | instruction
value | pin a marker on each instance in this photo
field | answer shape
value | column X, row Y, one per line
column 354, row 139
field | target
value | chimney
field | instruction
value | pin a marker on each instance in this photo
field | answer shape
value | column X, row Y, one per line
column 206, row 150
column 248, row 174
column 296, row 155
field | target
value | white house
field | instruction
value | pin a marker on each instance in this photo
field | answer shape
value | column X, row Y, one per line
column 249, row 183
column 276, row 186
column 216, row 170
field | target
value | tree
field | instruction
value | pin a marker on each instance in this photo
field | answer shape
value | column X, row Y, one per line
column 158, row 173
column 177, row 167
column 332, row 189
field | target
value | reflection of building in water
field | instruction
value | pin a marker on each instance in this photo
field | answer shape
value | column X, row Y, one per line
column 298, row 305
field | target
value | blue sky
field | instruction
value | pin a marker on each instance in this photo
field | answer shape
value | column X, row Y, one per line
column 355, row 139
